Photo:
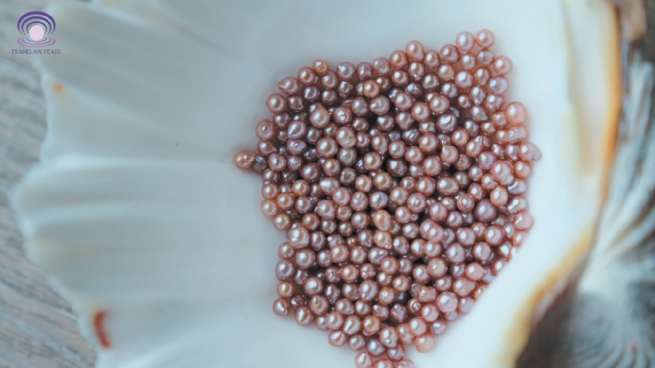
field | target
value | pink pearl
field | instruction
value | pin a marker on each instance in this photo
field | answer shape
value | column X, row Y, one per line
column 374, row 347
column 494, row 235
column 380, row 105
column 466, row 305
column 447, row 302
column 439, row 104
column 304, row 317
column 421, row 111
column 529, row 152
column 455, row 253
column 405, row 363
column 465, row 41
column 523, row 221
column 276, row 103
column 498, row 85
column 337, row 338
column 320, row 118
column 516, row 113
column 425, row 343
column 485, row 39
column 298, row 237
column 417, row 326
column 446, row 72
column 499, row 196
column 281, row 307
column 431, row 231
column 345, row 137
column 429, row 312
column 522, row 169
column 438, row 212
column 463, row 79
column 313, row 286
column 501, row 171
column 326, row 209
column 502, row 65
column 474, row 271
column 463, row 286
column 383, row 363
column 468, row 61
column 321, row 324
column 352, row 325
column 396, row 353
column 465, row 236
column 437, row 267
column 363, row 360
column 389, row 337
column 341, row 196
column 449, row 54
column 438, row 327
column 319, row 305
column 415, row 50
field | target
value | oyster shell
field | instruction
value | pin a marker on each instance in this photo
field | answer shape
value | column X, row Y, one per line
column 139, row 215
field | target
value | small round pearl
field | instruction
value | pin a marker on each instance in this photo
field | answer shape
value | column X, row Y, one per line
column 363, row 360
column 304, row 316
column 383, row 363
column 375, row 347
column 485, row 39
column 425, row 343
column 244, row 159
column 465, row 41
column 415, row 50
column 405, row 363
column 281, row 307
column 502, row 65
column 447, row 302
column 485, row 211
column 529, row 152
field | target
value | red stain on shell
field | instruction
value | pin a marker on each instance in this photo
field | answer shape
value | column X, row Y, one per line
column 99, row 328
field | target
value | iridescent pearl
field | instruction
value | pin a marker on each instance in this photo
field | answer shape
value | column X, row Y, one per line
column 383, row 363
column 499, row 196
column 405, row 363
column 352, row 325
column 485, row 39
column 388, row 337
column 415, row 50
column 244, row 159
column 375, row 347
column 502, row 65
column 439, row 104
column 379, row 105
column 425, row 343
column 276, row 103
column 516, row 113
column 529, row 152
column 417, row 326
column 363, row 360
column 447, row 302
column 463, row 286
column 465, row 42
column 281, row 307
column 304, row 316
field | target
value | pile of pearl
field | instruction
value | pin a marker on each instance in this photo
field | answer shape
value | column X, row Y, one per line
column 401, row 186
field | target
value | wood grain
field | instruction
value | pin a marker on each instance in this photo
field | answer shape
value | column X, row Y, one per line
column 37, row 327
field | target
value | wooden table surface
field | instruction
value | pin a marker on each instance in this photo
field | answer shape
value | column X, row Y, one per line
column 37, row 327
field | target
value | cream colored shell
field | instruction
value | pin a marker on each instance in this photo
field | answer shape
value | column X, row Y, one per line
column 136, row 209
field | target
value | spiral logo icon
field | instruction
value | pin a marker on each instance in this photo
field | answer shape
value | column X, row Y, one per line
column 36, row 26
